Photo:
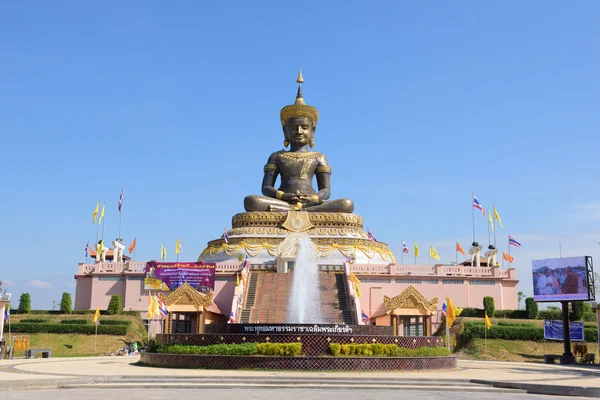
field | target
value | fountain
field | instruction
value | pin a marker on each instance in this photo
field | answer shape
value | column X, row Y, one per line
column 303, row 306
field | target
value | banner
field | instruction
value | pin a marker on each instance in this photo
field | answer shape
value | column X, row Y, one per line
column 171, row 275
column 561, row 279
column 553, row 330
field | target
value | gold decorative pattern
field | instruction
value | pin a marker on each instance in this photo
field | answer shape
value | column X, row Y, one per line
column 187, row 295
column 323, row 168
column 318, row 219
column 270, row 167
column 410, row 298
column 307, row 155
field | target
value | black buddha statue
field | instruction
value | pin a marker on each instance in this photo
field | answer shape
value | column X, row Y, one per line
column 297, row 167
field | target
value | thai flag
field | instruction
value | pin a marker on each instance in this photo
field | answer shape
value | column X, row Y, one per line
column 404, row 248
column 365, row 317
column 477, row 205
column 371, row 236
column 514, row 242
column 7, row 313
column 225, row 236
column 162, row 308
column 246, row 263
column 348, row 259
column 445, row 308
column 87, row 248
column 231, row 317
column 121, row 201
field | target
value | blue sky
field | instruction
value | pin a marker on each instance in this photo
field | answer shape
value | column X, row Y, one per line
column 420, row 105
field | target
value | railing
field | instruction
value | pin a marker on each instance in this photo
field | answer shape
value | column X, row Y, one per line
column 412, row 269
column 370, row 269
column 426, row 270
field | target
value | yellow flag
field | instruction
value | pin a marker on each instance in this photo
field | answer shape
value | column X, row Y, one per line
column 497, row 216
column 416, row 250
column 356, row 289
column 488, row 323
column 433, row 254
column 100, row 246
column 490, row 220
column 151, row 307
column 97, row 315
column 96, row 212
column 237, row 280
column 101, row 214
column 457, row 311
column 178, row 246
column 450, row 315
column 163, row 252
column 354, row 279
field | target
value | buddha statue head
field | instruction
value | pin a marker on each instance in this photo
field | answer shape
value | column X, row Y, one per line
column 299, row 121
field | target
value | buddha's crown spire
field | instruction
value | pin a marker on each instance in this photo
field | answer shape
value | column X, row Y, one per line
column 299, row 108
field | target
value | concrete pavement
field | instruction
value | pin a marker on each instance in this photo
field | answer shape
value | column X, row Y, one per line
column 121, row 372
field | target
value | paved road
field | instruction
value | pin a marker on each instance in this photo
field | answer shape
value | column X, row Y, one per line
column 236, row 394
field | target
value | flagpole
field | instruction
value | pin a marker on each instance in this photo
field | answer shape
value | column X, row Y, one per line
column 473, row 214
column 415, row 254
column 103, row 224
column 430, row 254
column 485, row 339
column 489, row 225
column 402, row 253
column 560, row 248
column 97, row 229
column 494, row 222
column 508, row 247
column 120, row 222
column 96, row 338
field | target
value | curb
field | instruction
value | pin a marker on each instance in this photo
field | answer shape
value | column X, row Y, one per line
column 535, row 388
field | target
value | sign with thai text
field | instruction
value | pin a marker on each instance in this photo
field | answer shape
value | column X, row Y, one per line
column 171, row 275
column 553, row 330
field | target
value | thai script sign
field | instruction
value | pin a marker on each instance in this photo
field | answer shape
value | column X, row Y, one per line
column 171, row 275
column 553, row 330
column 307, row 329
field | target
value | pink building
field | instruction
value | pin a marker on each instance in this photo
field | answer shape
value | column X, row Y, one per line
column 465, row 285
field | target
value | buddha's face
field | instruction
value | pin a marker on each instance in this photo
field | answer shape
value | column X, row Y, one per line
column 299, row 131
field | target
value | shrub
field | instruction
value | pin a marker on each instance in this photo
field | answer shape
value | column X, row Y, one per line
column 245, row 349
column 531, row 307
column 550, row 314
column 114, row 322
column 589, row 317
column 511, row 314
column 488, row 306
column 66, row 304
column 507, row 323
column 33, row 321
column 469, row 312
column 578, row 310
column 24, row 303
column 75, row 321
column 385, row 350
column 115, row 305
column 118, row 330
column 511, row 332
column 280, row 349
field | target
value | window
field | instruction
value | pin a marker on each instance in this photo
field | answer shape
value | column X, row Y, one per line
column 408, row 280
column 430, row 281
column 375, row 280
column 483, row 282
column 453, row 281
column 135, row 278
column 110, row 278
column 414, row 326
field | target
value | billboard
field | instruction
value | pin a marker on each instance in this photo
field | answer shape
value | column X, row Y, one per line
column 553, row 330
column 563, row 279
column 171, row 275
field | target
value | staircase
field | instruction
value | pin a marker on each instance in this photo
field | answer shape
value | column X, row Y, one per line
column 250, row 298
column 268, row 294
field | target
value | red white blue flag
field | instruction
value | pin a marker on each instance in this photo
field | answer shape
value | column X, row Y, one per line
column 365, row 317
column 348, row 259
column 477, row 205
column 225, row 236
column 371, row 236
column 87, row 248
column 121, row 201
column 232, row 317
column 404, row 248
column 7, row 313
column 162, row 308
column 514, row 242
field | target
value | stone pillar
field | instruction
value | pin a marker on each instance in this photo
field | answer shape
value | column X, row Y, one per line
column 166, row 323
column 119, row 247
column 395, row 324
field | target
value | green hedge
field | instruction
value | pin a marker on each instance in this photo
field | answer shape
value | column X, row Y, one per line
column 550, row 314
column 511, row 332
column 511, row 314
column 385, row 350
column 469, row 312
column 114, row 322
column 118, row 330
column 33, row 321
column 245, row 349
column 75, row 321
column 280, row 349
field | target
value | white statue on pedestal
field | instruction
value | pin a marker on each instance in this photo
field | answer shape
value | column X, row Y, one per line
column 119, row 248
column 491, row 256
column 101, row 251
column 475, row 253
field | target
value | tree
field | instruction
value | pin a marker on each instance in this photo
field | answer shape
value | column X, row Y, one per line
column 577, row 308
column 25, row 303
column 520, row 296
column 66, row 304
column 115, row 305
column 532, row 308
column 488, row 306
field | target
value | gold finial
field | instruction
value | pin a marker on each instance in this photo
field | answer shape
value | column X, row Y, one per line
column 300, row 79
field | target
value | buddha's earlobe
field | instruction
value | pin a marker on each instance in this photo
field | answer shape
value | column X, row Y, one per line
column 311, row 144
column 286, row 143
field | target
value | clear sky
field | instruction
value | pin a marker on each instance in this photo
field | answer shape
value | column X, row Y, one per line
column 178, row 103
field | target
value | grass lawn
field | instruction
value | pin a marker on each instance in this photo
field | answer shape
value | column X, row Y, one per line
column 76, row 345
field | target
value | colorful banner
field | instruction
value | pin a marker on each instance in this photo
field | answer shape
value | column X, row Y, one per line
column 561, row 279
column 171, row 275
